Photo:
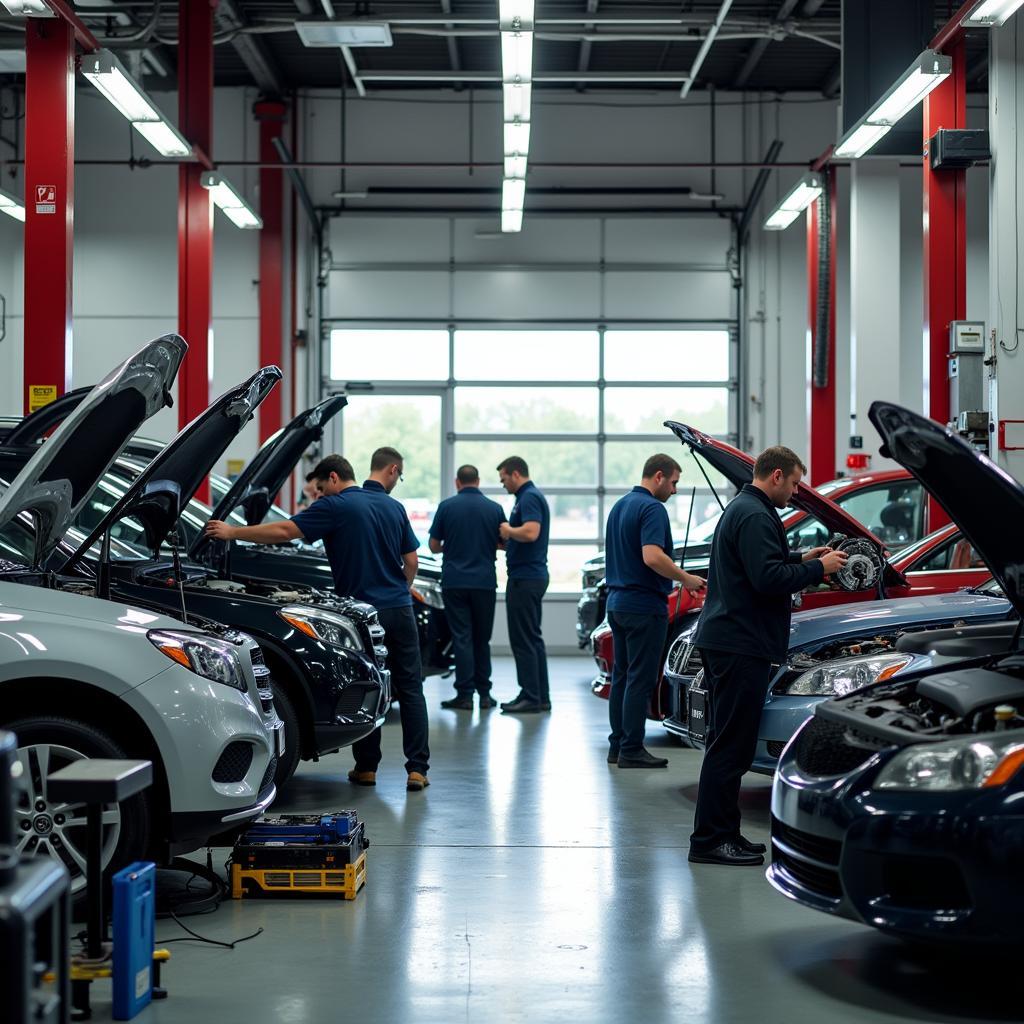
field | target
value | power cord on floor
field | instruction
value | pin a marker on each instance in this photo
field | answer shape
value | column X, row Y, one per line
column 196, row 937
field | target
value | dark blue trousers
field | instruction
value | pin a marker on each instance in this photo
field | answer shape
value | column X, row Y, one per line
column 523, row 599
column 639, row 642
column 470, row 615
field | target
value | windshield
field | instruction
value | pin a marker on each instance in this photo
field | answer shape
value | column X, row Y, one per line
column 991, row 588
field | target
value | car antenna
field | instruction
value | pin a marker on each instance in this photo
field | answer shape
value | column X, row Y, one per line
column 689, row 517
column 700, row 466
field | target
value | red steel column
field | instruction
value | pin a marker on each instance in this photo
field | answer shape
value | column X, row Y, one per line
column 271, row 115
column 822, row 400
column 945, row 247
column 49, row 207
column 195, row 211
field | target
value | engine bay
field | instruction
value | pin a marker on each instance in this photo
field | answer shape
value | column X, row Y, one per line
column 803, row 660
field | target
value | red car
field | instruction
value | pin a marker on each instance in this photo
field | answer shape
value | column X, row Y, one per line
column 942, row 562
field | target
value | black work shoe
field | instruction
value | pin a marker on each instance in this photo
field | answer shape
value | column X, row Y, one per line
column 520, row 696
column 545, row 705
column 487, row 702
column 458, row 704
column 642, row 760
column 521, row 707
column 728, row 853
column 749, row 846
column 613, row 755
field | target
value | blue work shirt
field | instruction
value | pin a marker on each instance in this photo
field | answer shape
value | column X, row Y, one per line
column 636, row 519
column 529, row 561
column 467, row 525
column 365, row 533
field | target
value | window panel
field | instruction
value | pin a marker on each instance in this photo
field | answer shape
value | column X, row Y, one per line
column 526, row 355
column 624, row 463
column 526, row 410
column 552, row 463
column 358, row 354
column 644, row 410
column 666, row 355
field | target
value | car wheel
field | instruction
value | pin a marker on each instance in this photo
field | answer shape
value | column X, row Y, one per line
column 44, row 828
column 286, row 764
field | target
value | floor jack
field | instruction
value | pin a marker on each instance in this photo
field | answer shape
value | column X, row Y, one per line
column 133, row 965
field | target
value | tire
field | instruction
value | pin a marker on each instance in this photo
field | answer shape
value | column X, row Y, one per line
column 287, row 764
column 45, row 744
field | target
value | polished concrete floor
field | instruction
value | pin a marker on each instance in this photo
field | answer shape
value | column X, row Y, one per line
column 533, row 882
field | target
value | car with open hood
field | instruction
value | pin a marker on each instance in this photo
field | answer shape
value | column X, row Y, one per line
column 897, row 805
column 326, row 653
column 81, row 677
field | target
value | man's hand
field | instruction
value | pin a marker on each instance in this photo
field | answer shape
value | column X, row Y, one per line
column 815, row 553
column 504, row 530
column 694, row 584
column 221, row 530
column 833, row 561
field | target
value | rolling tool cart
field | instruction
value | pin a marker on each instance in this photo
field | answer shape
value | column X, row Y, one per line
column 300, row 855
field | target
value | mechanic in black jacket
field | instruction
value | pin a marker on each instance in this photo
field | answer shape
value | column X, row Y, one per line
column 744, row 630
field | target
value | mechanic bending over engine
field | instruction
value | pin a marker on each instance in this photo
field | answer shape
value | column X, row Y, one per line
column 372, row 551
column 742, row 632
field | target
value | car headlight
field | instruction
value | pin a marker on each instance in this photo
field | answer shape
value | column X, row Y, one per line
column 836, row 678
column 591, row 577
column 206, row 656
column 970, row 763
column 338, row 630
column 428, row 592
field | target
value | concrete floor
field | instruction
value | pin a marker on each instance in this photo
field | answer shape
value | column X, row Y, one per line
column 532, row 882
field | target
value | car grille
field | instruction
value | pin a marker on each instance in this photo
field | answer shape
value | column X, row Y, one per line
column 268, row 775
column 823, row 881
column 775, row 748
column 380, row 651
column 351, row 701
column 266, row 700
column 257, row 657
column 233, row 763
column 683, row 658
column 819, row 847
column 822, row 750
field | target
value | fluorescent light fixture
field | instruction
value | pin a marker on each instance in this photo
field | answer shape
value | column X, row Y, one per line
column 107, row 73
column 515, row 166
column 357, row 193
column 516, row 56
column 29, row 9
column 513, row 194
column 517, row 100
column 12, row 206
column 224, row 195
column 516, row 13
column 780, row 220
column 992, row 13
column 928, row 71
column 344, row 33
column 517, row 138
column 163, row 137
column 860, row 139
column 794, row 202
column 511, row 221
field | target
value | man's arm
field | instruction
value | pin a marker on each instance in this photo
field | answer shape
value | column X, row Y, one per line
column 264, row 533
column 436, row 546
column 410, row 564
column 525, row 534
column 768, row 571
column 656, row 559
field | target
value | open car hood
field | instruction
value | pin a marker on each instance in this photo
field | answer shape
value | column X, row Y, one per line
column 36, row 425
column 157, row 495
column 738, row 468
column 254, row 489
column 54, row 483
column 982, row 499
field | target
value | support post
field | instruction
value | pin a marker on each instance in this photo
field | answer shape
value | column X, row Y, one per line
column 945, row 247
column 271, row 115
column 821, row 416
column 49, row 208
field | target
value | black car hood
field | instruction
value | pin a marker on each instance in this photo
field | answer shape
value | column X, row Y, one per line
column 57, row 479
column 166, row 485
column 254, row 489
column 982, row 499
column 738, row 468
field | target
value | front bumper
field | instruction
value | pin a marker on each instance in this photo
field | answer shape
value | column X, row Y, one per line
column 941, row 867
column 361, row 707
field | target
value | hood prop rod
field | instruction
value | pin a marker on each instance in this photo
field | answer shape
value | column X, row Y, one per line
column 175, row 541
column 103, row 569
column 689, row 517
column 700, row 466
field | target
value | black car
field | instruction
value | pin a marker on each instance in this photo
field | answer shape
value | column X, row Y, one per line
column 899, row 805
column 326, row 654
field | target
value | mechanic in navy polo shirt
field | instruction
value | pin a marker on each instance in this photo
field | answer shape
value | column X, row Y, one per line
column 465, row 530
column 372, row 551
column 526, row 556
column 639, row 572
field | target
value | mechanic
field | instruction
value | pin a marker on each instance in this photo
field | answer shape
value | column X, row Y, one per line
column 526, row 556
column 372, row 551
column 640, row 572
column 465, row 530
column 742, row 631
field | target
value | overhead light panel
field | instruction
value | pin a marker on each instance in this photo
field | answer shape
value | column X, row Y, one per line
column 12, row 206
column 516, row 57
column 517, row 96
column 344, row 33
column 107, row 73
column 992, row 13
column 517, row 138
column 356, row 193
column 928, row 71
column 511, row 221
column 856, row 142
column 164, row 138
column 515, row 166
column 29, row 8
column 228, row 199
column 513, row 193
column 794, row 202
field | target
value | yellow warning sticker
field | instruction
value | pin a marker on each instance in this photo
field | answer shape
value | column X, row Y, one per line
column 40, row 395
column 235, row 466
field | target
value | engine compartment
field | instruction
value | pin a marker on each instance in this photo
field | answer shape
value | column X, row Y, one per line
column 803, row 660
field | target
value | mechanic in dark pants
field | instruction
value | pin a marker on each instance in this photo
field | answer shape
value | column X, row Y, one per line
column 465, row 530
column 372, row 551
column 526, row 555
column 743, row 630
column 640, row 571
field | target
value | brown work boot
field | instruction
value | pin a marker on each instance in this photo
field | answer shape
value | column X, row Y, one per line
column 362, row 778
column 416, row 782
